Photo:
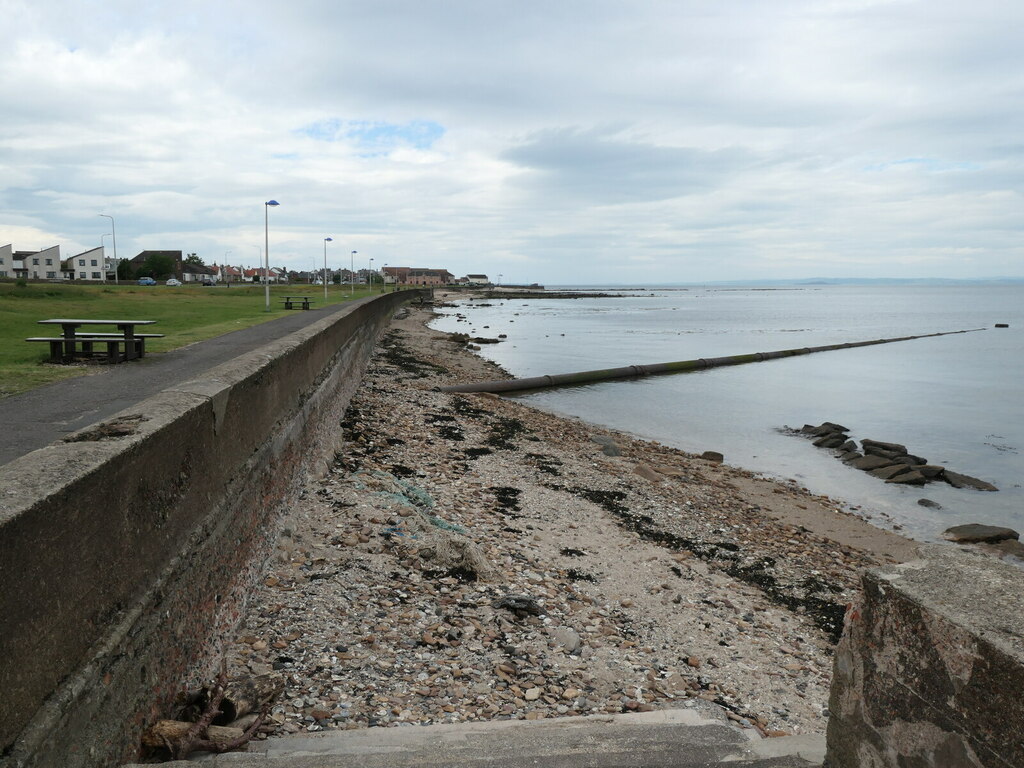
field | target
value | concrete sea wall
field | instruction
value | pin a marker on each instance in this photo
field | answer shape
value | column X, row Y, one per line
column 930, row 668
column 125, row 554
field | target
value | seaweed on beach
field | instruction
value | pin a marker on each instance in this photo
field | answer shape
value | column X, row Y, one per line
column 476, row 453
column 826, row 614
column 808, row 597
column 504, row 431
column 546, row 464
column 507, row 498
column 396, row 354
column 464, row 407
column 575, row 574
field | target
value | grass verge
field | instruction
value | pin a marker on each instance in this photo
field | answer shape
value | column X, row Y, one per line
column 185, row 315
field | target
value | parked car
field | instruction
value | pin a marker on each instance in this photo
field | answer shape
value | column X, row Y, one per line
column 207, row 282
column 173, row 282
column 147, row 281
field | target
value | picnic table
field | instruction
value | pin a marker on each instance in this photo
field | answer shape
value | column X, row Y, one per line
column 73, row 343
column 290, row 301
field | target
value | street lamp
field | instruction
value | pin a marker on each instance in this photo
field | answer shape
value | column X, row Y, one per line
column 224, row 269
column 103, row 257
column 369, row 276
column 266, row 250
column 326, row 241
column 113, row 235
column 352, row 274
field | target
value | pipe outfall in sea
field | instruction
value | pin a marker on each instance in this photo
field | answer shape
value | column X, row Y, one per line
column 654, row 369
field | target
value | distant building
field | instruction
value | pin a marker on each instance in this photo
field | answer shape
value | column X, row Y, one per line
column 429, row 277
column 477, row 280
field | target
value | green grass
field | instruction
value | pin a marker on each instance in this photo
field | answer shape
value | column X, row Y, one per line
column 185, row 315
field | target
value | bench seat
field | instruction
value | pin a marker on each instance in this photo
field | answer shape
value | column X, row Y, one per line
column 112, row 340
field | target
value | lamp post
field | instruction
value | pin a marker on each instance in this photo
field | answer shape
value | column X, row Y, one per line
column 326, row 241
column 103, row 258
column 224, row 269
column 113, row 237
column 352, row 274
column 369, row 276
column 266, row 250
column 384, row 279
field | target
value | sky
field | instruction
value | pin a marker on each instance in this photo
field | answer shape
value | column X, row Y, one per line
column 550, row 141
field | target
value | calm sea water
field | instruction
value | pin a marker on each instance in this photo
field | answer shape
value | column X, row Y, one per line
column 956, row 400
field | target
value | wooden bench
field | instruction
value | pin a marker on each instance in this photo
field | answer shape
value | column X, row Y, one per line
column 113, row 342
column 78, row 343
column 291, row 301
column 138, row 341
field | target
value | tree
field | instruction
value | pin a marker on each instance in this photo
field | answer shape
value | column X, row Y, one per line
column 159, row 266
column 194, row 260
column 124, row 270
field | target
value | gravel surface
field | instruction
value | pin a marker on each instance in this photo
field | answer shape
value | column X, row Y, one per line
column 470, row 558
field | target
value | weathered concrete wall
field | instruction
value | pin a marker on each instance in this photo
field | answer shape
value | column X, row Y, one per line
column 930, row 670
column 124, row 558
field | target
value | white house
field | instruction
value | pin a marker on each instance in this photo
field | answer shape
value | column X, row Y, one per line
column 91, row 265
column 38, row 265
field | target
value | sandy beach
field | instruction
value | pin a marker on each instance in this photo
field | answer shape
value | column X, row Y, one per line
column 470, row 558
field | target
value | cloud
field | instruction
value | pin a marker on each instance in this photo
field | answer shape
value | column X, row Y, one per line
column 551, row 142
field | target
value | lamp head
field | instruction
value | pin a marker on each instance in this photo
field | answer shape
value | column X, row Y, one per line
column 328, row 239
column 271, row 202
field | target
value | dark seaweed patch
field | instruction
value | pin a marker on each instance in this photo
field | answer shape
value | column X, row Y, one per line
column 507, row 498
column 396, row 354
column 463, row 407
column 504, row 431
column 547, row 464
column 475, row 453
column 826, row 614
column 575, row 574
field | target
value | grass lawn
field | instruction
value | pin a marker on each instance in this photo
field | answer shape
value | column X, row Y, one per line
column 186, row 314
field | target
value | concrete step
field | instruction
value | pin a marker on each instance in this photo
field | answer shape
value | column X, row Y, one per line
column 682, row 738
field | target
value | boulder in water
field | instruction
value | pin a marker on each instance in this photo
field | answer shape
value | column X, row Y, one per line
column 973, row 533
column 966, row 481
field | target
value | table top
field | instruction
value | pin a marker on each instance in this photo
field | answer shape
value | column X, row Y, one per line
column 72, row 321
column 300, row 296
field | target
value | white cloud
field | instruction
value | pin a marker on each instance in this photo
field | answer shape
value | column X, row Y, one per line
column 553, row 142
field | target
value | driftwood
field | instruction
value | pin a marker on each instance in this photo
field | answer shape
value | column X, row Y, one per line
column 173, row 731
column 244, row 697
column 240, row 698
column 197, row 732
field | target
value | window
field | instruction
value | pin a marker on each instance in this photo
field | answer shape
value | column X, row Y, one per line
column 95, row 275
column 93, row 263
column 51, row 275
column 81, row 263
column 35, row 262
column 3, row 273
column 49, row 262
column 81, row 275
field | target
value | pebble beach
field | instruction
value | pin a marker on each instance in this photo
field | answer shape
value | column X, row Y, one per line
column 470, row 558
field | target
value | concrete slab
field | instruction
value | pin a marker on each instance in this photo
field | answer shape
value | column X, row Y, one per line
column 679, row 738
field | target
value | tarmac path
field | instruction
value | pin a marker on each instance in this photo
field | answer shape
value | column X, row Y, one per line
column 36, row 418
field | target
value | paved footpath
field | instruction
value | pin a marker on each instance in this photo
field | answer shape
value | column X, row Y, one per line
column 42, row 415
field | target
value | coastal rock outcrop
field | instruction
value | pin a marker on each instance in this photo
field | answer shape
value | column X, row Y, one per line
column 891, row 462
column 974, row 533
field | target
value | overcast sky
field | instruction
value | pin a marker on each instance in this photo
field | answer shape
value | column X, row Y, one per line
column 556, row 141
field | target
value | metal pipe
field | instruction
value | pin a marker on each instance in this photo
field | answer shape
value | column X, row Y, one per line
column 681, row 366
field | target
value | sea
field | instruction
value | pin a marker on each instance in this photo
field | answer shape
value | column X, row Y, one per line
column 955, row 400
